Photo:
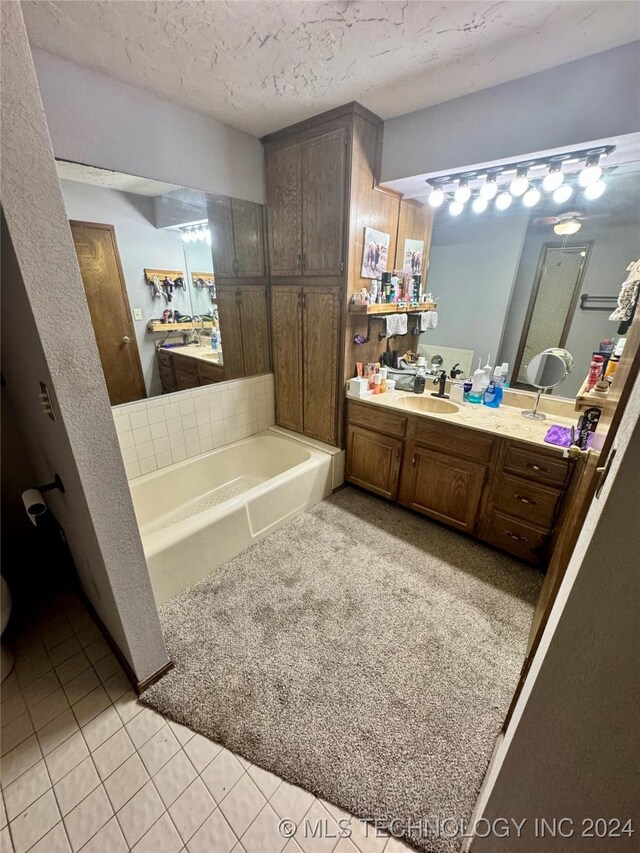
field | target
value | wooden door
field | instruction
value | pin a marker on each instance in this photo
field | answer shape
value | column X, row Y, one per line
column 323, row 202
column 284, row 207
column 321, row 345
column 106, row 292
column 222, row 245
column 286, row 341
column 254, row 329
column 446, row 488
column 230, row 331
column 248, row 237
column 373, row 461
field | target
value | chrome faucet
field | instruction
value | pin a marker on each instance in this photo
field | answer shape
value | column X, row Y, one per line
column 441, row 381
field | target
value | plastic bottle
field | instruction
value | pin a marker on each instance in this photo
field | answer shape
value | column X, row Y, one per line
column 475, row 395
column 493, row 394
column 486, row 379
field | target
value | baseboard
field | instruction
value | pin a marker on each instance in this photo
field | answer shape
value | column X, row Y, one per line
column 138, row 686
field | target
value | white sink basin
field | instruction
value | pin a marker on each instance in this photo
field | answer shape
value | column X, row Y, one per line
column 428, row 404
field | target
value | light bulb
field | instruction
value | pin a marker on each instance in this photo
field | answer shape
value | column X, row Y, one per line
column 437, row 197
column 562, row 194
column 489, row 189
column 553, row 180
column 207, row 236
column 591, row 172
column 520, row 184
column 594, row 191
column 202, row 233
column 463, row 193
column 479, row 204
column 456, row 208
column 186, row 237
column 503, row 201
column 531, row 197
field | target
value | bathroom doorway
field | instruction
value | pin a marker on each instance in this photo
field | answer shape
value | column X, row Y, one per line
column 554, row 297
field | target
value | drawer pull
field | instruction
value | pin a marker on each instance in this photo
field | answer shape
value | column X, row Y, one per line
column 413, row 461
column 525, row 500
column 515, row 537
column 536, row 467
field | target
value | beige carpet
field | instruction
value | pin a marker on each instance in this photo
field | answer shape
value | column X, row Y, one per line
column 362, row 652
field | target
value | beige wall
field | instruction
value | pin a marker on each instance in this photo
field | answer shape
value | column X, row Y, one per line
column 47, row 336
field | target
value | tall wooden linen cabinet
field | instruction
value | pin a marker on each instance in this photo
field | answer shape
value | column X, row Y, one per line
column 321, row 177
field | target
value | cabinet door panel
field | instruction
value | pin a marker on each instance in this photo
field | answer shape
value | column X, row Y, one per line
column 286, row 337
column 221, row 227
column 230, row 331
column 321, row 336
column 284, row 204
column 323, row 194
column 248, row 238
column 373, row 461
column 254, row 330
column 446, row 488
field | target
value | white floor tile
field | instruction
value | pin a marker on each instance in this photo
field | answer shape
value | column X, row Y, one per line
column 81, row 685
column 97, row 650
column 76, row 785
column 12, row 708
column 346, row 845
column 242, row 804
column 183, row 734
column 201, row 751
column 6, row 845
column 191, row 809
column 31, row 669
column 366, row 837
column 15, row 732
column 174, row 778
column 128, row 706
column 143, row 726
column 222, row 774
column 107, row 666
column 3, row 813
column 323, row 830
column 112, row 753
column 101, row 728
column 126, row 781
column 87, row 818
column 20, row 759
column 291, row 802
column 48, row 709
column 55, row 841
column 161, row 838
column 159, row 749
column 117, row 685
column 66, row 756
column 57, row 731
column 267, row 782
column 34, row 822
column 263, row 835
column 87, row 636
column 72, row 667
column 108, row 840
column 215, row 834
column 26, row 789
column 91, row 705
column 140, row 813
column 65, row 650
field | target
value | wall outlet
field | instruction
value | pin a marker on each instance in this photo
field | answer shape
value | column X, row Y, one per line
column 137, row 314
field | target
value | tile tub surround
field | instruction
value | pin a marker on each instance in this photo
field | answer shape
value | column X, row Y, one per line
column 162, row 430
column 86, row 767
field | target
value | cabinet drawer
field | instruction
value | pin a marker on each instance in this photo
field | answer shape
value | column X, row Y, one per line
column 455, row 440
column 518, row 537
column 168, row 378
column 377, row 419
column 535, row 464
column 186, row 380
column 208, row 373
column 527, row 500
column 165, row 359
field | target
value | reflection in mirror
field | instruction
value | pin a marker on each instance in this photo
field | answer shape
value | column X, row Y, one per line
column 544, row 371
column 515, row 281
column 147, row 262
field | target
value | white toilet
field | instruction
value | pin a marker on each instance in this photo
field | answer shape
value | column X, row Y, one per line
column 6, row 658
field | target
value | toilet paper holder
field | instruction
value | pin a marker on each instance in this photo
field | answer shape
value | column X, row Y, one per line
column 56, row 484
column 34, row 502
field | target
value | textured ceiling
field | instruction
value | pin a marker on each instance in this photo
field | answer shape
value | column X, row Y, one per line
column 259, row 66
column 112, row 180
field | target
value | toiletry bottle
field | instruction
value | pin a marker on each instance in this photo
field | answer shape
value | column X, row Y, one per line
column 486, row 379
column 377, row 383
column 395, row 287
column 505, row 371
column 419, row 381
column 594, row 372
column 493, row 394
column 383, row 379
column 475, row 395
column 466, row 390
column 374, row 289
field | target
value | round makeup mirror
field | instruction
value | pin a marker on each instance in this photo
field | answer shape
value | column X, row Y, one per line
column 544, row 372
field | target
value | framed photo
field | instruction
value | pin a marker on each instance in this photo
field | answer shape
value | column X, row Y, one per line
column 375, row 252
column 413, row 251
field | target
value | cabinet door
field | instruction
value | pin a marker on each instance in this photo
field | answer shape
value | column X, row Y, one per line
column 321, row 336
column 254, row 329
column 230, row 331
column 446, row 487
column 284, row 203
column 185, row 380
column 323, row 195
column 221, row 228
column 373, row 461
column 248, row 235
column 286, row 339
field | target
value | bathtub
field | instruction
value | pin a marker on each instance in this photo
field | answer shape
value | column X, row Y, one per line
column 197, row 514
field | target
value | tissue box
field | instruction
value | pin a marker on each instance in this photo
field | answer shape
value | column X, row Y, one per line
column 358, row 387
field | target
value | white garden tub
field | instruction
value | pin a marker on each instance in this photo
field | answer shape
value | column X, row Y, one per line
column 197, row 514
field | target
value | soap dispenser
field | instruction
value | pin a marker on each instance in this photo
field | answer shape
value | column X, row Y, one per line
column 486, row 379
column 476, row 393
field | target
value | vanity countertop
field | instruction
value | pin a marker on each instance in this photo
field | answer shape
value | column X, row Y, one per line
column 505, row 421
column 201, row 353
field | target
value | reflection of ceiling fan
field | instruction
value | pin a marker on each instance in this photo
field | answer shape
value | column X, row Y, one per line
column 568, row 223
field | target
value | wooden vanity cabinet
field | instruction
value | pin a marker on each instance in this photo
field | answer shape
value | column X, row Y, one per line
column 237, row 238
column 373, row 461
column 179, row 372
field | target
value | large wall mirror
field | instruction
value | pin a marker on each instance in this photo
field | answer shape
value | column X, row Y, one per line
column 175, row 281
column 513, row 282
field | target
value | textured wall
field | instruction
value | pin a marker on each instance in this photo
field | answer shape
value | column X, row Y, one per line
column 99, row 121
column 45, row 305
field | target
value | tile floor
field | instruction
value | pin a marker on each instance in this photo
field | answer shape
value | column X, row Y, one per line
column 86, row 767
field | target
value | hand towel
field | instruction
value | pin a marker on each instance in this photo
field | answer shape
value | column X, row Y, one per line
column 432, row 319
column 396, row 324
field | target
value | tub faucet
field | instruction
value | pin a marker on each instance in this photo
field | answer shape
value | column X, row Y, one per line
column 441, row 381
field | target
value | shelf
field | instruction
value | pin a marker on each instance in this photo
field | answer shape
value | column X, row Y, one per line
column 157, row 328
column 370, row 310
column 585, row 400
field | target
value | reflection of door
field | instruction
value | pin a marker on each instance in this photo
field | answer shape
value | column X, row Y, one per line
column 553, row 302
column 109, row 308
